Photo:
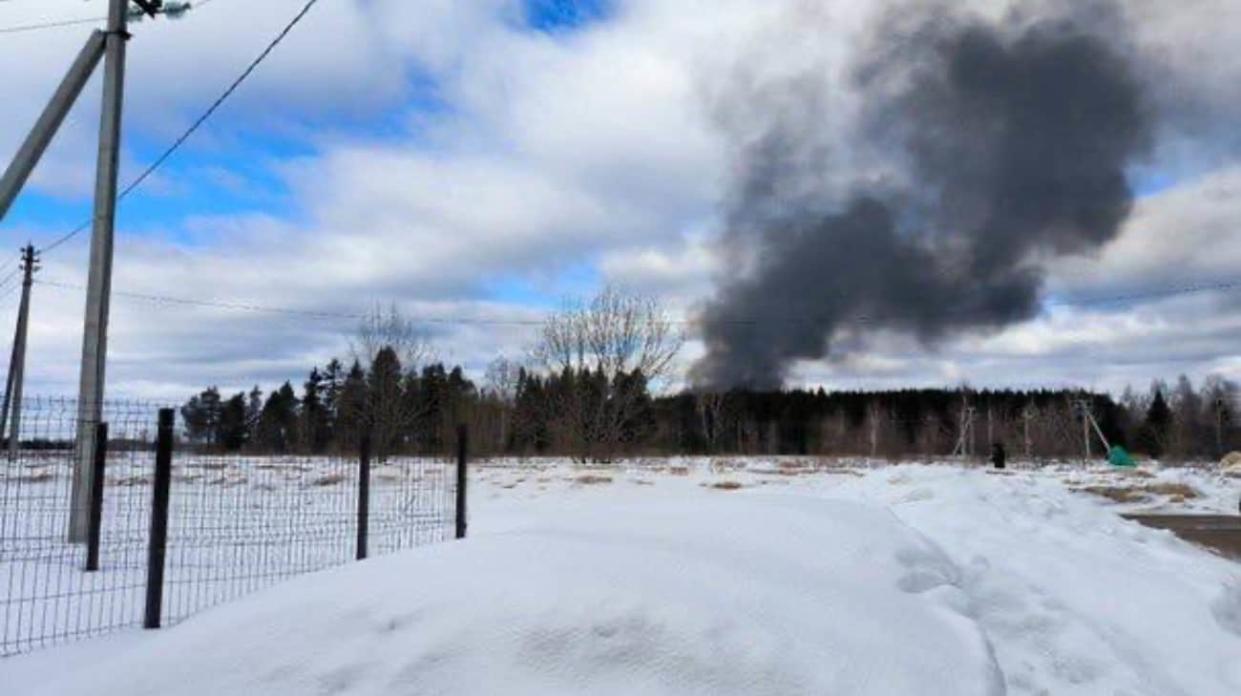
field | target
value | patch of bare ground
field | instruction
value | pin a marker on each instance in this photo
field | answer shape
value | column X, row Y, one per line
column 726, row 486
column 208, row 464
column 592, row 480
column 36, row 477
column 130, row 481
column 1175, row 492
column 328, row 480
column 679, row 470
column 226, row 482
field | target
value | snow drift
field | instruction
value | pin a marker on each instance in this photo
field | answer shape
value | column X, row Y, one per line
column 769, row 596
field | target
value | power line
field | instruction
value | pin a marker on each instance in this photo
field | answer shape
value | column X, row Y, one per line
column 72, row 22
column 50, row 25
column 176, row 145
column 289, row 311
column 8, row 277
column 494, row 321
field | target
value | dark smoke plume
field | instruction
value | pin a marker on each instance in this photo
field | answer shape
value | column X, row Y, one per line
column 1011, row 147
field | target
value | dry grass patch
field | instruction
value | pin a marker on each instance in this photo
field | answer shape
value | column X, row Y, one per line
column 328, row 480
column 226, row 482
column 592, row 479
column 37, row 477
column 131, row 481
column 679, row 470
column 1175, row 490
column 726, row 486
column 1116, row 494
column 208, row 465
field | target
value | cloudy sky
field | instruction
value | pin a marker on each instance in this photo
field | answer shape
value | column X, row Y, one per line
column 489, row 158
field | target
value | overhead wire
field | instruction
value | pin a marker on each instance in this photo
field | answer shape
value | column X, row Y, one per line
column 1227, row 286
column 198, row 122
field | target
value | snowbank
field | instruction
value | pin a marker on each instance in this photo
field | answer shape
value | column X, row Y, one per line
column 753, row 595
column 887, row 580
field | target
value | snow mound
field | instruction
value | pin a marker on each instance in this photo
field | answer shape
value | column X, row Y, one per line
column 752, row 594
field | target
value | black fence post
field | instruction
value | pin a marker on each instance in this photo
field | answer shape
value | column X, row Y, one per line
column 462, row 452
column 95, row 529
column 364, row 495
column 159, row 521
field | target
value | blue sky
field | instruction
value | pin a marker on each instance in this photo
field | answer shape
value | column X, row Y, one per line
column 232, row 167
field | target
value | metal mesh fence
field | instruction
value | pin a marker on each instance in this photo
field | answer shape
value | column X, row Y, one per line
column 45, row 594
column 236, row 523
column 241, row 523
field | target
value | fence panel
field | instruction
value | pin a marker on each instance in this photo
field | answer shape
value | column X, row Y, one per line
column 46, row 594
column 237, row 523
column 241, row 523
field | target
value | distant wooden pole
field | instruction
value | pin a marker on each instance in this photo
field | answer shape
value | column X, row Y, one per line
column 12, row 417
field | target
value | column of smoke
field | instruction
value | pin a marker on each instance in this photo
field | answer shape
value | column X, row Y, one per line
column 1011, row 142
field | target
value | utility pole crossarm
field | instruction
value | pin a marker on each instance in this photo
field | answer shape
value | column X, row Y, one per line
column 151, row 7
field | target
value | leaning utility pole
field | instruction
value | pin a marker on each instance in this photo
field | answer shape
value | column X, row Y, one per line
column 108, row 45
column 12, row 415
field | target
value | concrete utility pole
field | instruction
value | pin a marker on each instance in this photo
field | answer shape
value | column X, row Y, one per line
column 11, row 418
column 99, row 280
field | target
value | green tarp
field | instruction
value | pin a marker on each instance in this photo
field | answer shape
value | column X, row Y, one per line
column 1119, row 457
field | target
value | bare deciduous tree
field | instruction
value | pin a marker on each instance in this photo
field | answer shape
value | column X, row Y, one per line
column 616, row 332
column 500, row 379
column 389, row 328
column 392, row 348
column 612, row 348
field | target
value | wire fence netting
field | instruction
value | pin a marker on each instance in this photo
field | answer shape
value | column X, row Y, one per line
column 236, row 522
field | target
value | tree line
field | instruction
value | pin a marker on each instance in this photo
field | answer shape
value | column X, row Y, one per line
column 594, row 388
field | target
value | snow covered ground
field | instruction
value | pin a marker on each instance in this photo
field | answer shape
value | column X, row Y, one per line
column 748, row 576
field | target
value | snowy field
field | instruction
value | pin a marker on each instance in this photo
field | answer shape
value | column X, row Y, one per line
column 779, row 576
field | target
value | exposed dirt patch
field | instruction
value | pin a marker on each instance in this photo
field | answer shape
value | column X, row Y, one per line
column 34, row 477
column 130, row 481
column 328, row 480
column 1116, row 494
column 592, row 480
column 726, row 486
column 1175, row 492
column 209, row 464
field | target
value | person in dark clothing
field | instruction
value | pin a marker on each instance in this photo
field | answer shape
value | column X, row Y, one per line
column 998, row 456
